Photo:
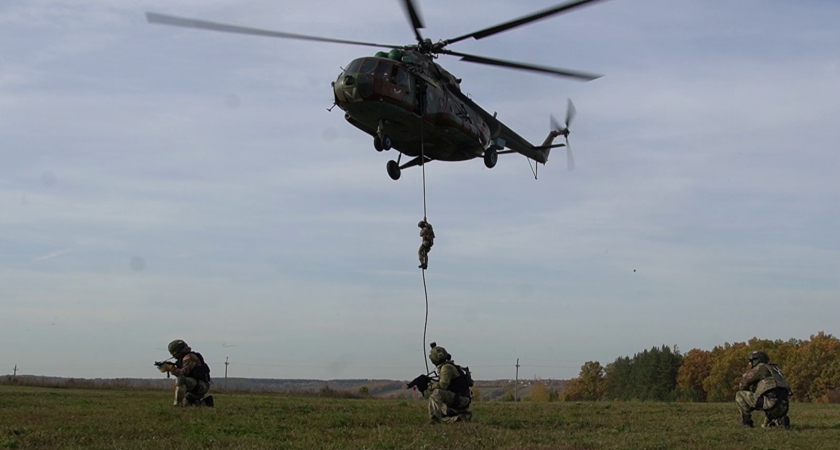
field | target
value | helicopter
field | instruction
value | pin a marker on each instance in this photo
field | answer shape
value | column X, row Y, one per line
column 408, row 102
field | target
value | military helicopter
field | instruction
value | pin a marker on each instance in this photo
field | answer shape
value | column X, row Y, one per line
column 408, row 102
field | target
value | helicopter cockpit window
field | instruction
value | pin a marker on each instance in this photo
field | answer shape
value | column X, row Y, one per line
column 368, row 65
column 354, row 66
column 383, row 70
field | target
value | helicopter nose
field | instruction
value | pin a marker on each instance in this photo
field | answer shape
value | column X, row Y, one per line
column 347, row 88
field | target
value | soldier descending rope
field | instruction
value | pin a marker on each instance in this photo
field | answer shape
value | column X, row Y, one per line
column 428, row 235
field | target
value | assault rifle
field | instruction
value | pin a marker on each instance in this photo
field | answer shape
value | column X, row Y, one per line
column 161, row 364
column 422, row 383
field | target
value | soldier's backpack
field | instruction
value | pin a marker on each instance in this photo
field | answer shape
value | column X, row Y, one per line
column 465, row 371
column 201, row 372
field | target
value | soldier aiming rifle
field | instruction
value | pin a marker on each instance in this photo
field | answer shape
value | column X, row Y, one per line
column 448, row 389
column 192, row 375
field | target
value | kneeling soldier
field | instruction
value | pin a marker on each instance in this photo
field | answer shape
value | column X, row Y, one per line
column 450, row 396
column 192, row 375
column 764, row 388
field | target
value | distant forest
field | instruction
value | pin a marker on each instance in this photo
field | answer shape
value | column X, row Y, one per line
column 812, row 367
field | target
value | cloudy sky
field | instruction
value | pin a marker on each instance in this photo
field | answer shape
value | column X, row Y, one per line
column 160, row 183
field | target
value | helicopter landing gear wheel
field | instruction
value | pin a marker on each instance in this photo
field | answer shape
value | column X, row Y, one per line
column 381, row 140
column 393, row 170
column 490, row 158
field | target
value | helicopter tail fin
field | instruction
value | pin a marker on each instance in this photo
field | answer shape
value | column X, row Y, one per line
column 548, row 143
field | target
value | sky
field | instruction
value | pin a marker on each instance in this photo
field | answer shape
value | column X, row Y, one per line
column 159, row 183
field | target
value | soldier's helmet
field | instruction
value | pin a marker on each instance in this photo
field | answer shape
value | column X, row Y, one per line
column 438, row 355
column 757, row 357
column 178, row 347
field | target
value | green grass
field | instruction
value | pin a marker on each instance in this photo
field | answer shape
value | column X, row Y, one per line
column 49, row 418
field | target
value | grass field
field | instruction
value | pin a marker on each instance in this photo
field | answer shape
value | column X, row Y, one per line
column 49, row 418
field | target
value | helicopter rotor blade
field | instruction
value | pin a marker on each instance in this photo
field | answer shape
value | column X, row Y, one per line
column 571, row 111
column 522, row 20
column 585, row 76
column 570, row 160
column 164, row 19
column 414, row 18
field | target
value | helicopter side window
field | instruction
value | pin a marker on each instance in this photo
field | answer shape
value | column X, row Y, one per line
column 354, row 66
column 401, row 77
column 368, row 65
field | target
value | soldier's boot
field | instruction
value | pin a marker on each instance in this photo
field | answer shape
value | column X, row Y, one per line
column 746, row 420
column 208, row 401
column 769, row 422
column 464, row 416
column 192, row 400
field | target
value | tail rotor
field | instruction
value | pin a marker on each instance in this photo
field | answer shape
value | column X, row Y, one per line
column 563, row 130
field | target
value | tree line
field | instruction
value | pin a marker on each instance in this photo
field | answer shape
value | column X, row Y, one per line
column 811, row 366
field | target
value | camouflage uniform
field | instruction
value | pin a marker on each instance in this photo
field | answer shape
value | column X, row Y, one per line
column 450, row 396
column 764, row 388
column 428, row 235
column 192, row 376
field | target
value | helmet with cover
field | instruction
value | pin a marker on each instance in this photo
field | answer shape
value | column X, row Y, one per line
column 438, row 355
column 178, row 348
column 758, row 357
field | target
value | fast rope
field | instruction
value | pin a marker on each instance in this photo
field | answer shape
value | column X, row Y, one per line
column 425, row 289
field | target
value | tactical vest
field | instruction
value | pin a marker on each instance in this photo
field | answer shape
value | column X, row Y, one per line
column 774, row 381
column 200, row 372
column 461, row 384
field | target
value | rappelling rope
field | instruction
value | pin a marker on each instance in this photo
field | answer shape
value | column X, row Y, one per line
column 425, row 289
column 426, row 322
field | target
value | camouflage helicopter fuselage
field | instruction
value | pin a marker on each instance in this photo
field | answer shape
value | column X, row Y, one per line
column 399, row 92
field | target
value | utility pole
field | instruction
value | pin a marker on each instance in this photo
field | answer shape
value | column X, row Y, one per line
column 516, row 384
column 226, row 364
column 14, row 377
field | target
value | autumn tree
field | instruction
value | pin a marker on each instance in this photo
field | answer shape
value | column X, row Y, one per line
column 696, row 367
column 729, row 363
column 814, row 368
column 589, row 385
column 539, row 392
